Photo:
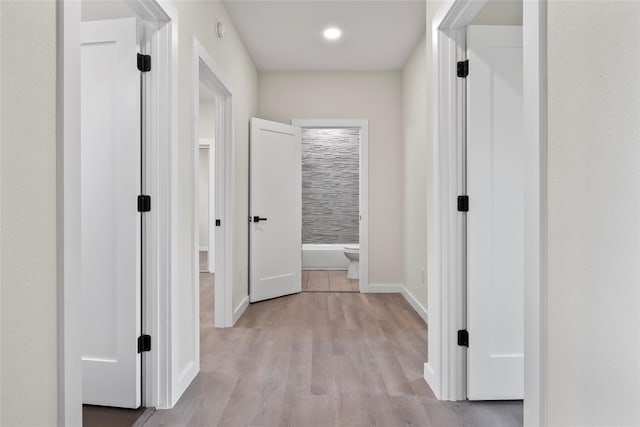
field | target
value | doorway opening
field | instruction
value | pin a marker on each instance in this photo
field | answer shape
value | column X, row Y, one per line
column 103, row 113
column 206, row 204
column 116, row 164
column 212, row 195
column 447, row 368
column 334, row 205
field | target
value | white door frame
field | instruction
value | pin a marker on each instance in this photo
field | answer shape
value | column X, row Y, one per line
column 206, row 71
column 363, row 231
column 445, row 371
column 160, row 182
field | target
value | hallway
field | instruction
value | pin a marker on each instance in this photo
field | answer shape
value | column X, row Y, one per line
column 321, row 359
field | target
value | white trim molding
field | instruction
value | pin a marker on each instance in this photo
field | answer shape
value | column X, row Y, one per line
column 415, row 304
column 239, row 310
column 363, row 124
column 392, row 288
column 535, row 248
column 183, row 380
column 68, row 215
column 446, row 307
column 207, row 72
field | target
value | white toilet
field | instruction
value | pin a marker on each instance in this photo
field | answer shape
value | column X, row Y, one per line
column 352, row 252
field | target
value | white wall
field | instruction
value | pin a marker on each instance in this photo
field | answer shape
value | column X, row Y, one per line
column 375, row 96
column 593, row 299
column 207, row 118
column 417, row 166
column 197, row 18
column 28, row 214
column 500, row 12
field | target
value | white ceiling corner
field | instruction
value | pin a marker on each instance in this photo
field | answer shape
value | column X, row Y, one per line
column 287, row 34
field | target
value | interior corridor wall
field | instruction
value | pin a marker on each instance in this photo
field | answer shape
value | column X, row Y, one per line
column 197, row 19
column 417, row 167
column 28, row 391
column 593, row 290
column 207, row 118
column 372, row 95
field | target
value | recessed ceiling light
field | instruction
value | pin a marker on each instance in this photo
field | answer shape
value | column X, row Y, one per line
column 332, row 33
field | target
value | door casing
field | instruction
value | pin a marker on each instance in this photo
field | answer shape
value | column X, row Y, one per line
column 205, row 71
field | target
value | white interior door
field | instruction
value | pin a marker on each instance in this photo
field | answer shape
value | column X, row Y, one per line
column 495, row 227
column 111, row 224
column 275, row 210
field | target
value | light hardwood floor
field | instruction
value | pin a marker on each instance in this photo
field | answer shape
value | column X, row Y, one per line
column 104, row 416
column 204, row 264
column 328, row 281
column 320, row 359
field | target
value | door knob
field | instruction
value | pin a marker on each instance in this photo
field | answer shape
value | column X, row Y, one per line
column 258, row 219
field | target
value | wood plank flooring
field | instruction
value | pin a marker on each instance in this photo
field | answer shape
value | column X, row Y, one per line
column 320, row 359
column 204, row 263
column 104, row 416
column 328, row 281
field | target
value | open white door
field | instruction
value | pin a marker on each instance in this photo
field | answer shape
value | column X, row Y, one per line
column 495, row 227
column 111, row 223
column 275, row 210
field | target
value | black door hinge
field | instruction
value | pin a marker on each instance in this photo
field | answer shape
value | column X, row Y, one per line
column 463, row 68
column 217, row 223
column 463, row 203
column 144, row 343
column 144, row 62
column 463, row 338
column 144, row 203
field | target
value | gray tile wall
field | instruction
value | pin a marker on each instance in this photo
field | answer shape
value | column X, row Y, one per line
column 330, row 185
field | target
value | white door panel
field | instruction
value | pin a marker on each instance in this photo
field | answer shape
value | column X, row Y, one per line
column 111, row 241
column 276, row 194
column 495, row 227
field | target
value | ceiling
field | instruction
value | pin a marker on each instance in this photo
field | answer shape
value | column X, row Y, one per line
column 287, row 34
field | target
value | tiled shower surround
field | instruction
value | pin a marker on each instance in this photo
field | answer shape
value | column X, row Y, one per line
column 330, row 185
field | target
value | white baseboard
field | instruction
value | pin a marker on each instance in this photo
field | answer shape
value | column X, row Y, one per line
column 413, row 302
column 204, row 248
column 375, row 289
column 240, row 309
column 430, row 378
column 183, row 381
column 397, row 288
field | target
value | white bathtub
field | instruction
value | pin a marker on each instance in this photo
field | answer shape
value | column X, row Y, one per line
column 324, row 257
